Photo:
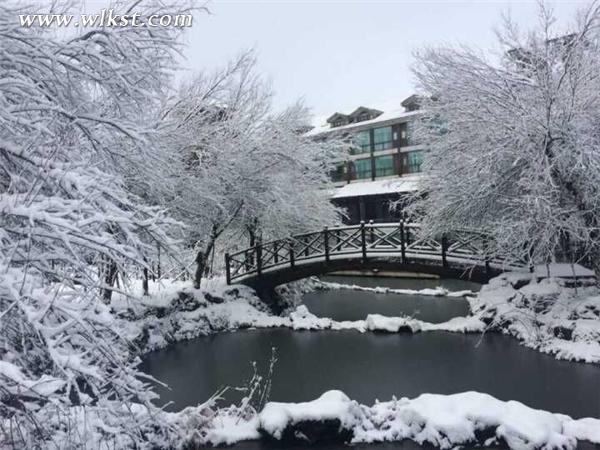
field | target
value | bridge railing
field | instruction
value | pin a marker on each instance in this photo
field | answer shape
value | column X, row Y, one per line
column 401, row 240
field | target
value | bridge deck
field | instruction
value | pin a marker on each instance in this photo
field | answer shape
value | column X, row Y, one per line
column 396, row 245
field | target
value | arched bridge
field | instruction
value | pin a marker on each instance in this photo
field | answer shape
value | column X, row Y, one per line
column 385, row 246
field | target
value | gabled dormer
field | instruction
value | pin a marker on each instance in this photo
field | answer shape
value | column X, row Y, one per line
column 412, row 103
column 338, row 119
column 362, row 113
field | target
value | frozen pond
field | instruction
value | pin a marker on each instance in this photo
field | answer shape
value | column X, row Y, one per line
column 373, row 366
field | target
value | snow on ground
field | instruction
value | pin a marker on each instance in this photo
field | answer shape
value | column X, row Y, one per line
column 174, row 311
column 444, row 421
column 436, row 292
column 544, row 314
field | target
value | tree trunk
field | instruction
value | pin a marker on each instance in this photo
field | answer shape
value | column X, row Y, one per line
column 145, row 281
column 158, row 269
column 109, row 279
column 201, row 262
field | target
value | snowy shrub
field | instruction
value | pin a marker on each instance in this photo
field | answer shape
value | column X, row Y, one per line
column 76, row 155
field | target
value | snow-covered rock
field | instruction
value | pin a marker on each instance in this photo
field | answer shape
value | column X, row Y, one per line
column 443, row 421
column 545, row 314
column 303, row 319
column 446, row 421
column 377, row 322
column 330, row 417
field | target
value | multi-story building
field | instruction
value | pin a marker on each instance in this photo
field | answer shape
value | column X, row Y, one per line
column 383, row 162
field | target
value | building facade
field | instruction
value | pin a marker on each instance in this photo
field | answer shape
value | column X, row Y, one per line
column 384, row 160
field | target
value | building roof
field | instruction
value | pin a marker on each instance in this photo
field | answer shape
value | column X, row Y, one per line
column 388, row 117
column 396, row 113
column 408, row 183
column 337, row 116
column 364, row 110
column 413, row 100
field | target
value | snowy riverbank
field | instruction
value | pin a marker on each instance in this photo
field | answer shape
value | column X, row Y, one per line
column 544, row 315
column 174, row 311
column 444, row 421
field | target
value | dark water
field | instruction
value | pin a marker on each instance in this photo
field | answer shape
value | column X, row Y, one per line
column 356, row 305
column 376, row 366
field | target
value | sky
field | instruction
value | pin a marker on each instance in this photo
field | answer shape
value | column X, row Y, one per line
column 338, row 55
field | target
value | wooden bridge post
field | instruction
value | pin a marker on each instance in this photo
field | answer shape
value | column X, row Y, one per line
column 326, row 243
column 402, row 241
column 444, row 249
column 363, row 241
column 291, row 244
column 227, row 268
column 258, row 259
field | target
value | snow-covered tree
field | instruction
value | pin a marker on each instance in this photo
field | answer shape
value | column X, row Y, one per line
column 513, row 139
column 75, row 137
column 241, row 166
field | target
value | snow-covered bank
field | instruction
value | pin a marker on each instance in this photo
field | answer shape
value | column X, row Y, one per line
column 174, row 311
column 177, row 312
column 444, row 421
column 545, row 314
column 436, row 292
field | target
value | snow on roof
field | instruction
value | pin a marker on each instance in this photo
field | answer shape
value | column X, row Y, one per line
column 378, row 187
column 389, row 116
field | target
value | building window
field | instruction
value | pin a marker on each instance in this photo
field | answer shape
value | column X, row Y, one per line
column 339, row 173
column 384, row 166
column 407, row 135
column 382, row 138
column 362, row 168
column 362, row 141
column 412, row 161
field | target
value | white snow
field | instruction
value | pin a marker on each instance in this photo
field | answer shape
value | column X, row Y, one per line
column 227, row 430
column 377, row 322
column 436, row 292
column 44, row 386
column 544, row 314
column 444, row 421
column 391, row 115
column 407, row 183
column 275, row 417
column 563, row 270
